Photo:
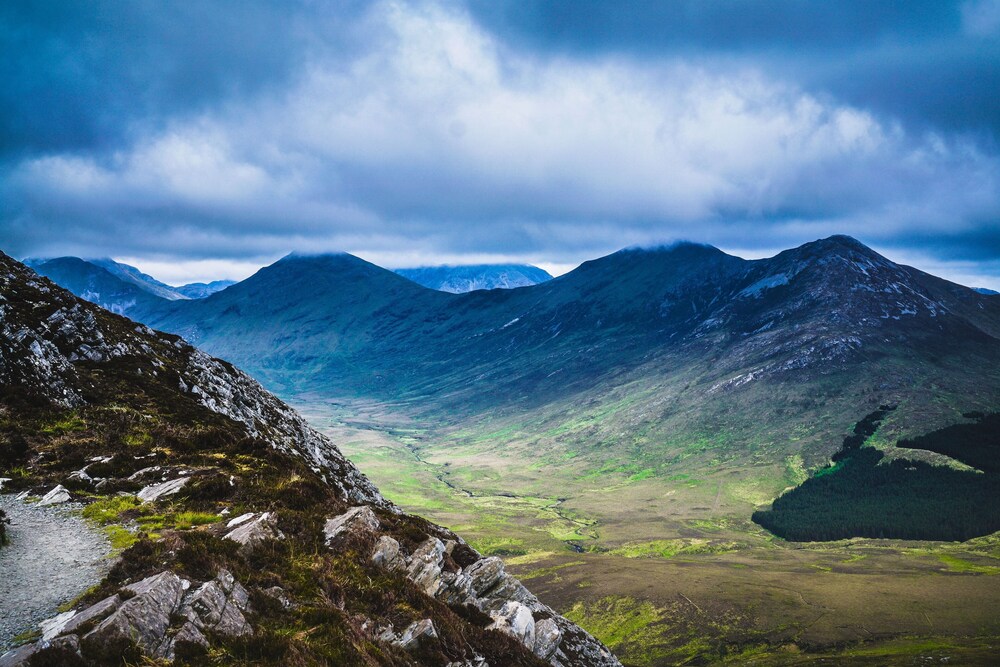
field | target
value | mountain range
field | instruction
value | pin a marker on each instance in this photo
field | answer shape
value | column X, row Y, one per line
column 243, row 536
column 117, row 287
column 460, row 279
column 647, row 404
column 831, row 326
column 677, row 346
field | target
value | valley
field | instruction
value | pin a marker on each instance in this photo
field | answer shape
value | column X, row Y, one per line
column 672, row 571
column 612, row 433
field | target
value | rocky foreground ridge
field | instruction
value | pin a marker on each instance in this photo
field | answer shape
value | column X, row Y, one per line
column 246, row 536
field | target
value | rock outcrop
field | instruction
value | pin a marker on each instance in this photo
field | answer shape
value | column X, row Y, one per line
column 154, row 616
column 483, row 584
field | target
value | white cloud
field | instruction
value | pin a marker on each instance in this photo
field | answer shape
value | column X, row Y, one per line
column 981, row 17
column 440, row 143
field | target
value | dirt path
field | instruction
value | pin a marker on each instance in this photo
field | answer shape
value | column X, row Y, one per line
column 53, row 556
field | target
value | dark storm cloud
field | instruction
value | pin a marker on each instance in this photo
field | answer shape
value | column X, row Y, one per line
column 440, row 131
column 934, row 62
column 87, row 75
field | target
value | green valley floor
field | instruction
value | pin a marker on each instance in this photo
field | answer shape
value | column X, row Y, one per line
column 667, row 568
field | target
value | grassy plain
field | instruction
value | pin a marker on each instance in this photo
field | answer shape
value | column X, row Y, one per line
column 662, row 562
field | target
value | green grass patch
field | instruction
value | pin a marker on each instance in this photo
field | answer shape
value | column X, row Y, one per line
column 499, row 546
column 120, row 538
column 959, row 565
column 107, row 510
column 829, row 470
column 624, row 624
column 188, row 520
column 671, row 548
column 66, row 424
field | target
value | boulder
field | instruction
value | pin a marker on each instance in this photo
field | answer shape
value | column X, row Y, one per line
column 189, row 633
column 386, row 553
column 219, row 605
column 356, row 518
column 53, row 627
column 93, row 613
column 417, row 634
column 57, row 495
column 278, row 593
column 243, row 518
column 142, row 619
column 63, row 651
column 252, row 531
column 485, row 573
column 456, row 589
column 18, row 657
column 155, row 491
column 547, row 638
column 517, row 621
column 425, row 566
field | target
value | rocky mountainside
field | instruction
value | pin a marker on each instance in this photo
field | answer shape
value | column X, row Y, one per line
column 461, row 279
column 98, row 285
column 246, row 537
column 138, row 278
column 680, row 342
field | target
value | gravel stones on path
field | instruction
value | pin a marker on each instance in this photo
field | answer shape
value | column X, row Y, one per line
column 53, row 556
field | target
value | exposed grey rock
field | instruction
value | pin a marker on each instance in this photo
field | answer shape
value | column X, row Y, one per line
column 547, row 638
column 139, row 474
column 52, row 627
column 456, row 588
column 417, row 635
column 485, row 573
column 156, row 491
column 159, row 603
column 425, row 566
column 95, row 612
column 475, row 661
column 235, row 521
column 218, row 605
column 386, row 553
column 190, row 633
column 82, row 475
column 59, row 647
column 59, row 494
column 517, row 621
column 278, row 593
column 255, row 530
column 513, row 607
column 19, row 656
column 356, row 518
column 143, row 618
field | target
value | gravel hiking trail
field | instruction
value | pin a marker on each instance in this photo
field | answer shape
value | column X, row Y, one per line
column 53, row 556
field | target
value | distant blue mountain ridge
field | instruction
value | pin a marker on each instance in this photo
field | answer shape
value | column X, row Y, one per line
column 461, row 279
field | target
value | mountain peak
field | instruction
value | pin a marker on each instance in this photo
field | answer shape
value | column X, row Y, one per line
column 839, row 243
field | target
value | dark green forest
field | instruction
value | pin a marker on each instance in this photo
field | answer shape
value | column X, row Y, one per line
column 863, row 495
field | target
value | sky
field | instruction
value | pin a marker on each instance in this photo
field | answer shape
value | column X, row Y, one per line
column 201, row 140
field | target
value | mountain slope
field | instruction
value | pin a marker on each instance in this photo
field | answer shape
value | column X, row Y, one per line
column 460, row 279
column 248, row 534
column 673, row 345
column 98, row 285
column 139, row 279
